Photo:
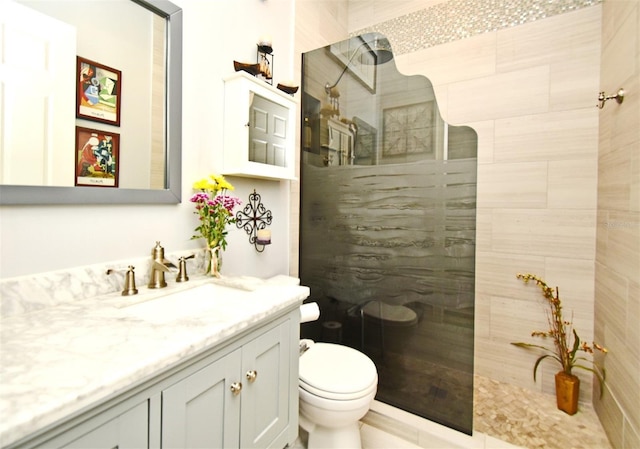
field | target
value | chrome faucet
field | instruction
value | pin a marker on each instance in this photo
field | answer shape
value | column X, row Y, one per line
column 159, row 267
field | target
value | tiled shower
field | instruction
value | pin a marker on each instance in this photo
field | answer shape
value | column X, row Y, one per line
column 528, row 86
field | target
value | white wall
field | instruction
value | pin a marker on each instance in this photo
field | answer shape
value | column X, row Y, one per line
column 36, row 239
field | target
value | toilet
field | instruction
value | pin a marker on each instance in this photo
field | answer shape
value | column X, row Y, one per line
column 337, row 385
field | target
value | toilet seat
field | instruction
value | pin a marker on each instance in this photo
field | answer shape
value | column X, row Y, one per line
column 337, row 372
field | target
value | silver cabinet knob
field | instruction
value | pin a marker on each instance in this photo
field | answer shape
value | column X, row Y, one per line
column 236, row 387
column 252, row 375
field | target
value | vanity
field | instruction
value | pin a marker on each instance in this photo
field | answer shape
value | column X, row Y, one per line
column 201, row 365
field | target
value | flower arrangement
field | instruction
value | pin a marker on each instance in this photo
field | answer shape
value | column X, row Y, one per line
column 566, row 342
column 215, row 210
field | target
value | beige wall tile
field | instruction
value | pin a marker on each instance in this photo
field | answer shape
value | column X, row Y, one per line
column 622, row 374
column 558, row 233
column 517, row 185
column 462, row 60
column 634, row 185
column 364, row 13
column 618, row 54
column 573, row 83
column 484, row 218
column 574, row 277
column 611, row 417
column 553, row 136
column 482, row 318
column 614, row 179
column 611, row 291
column 496, row 272
column 547, row 41
column 623, row 244
column 633, row 312
column 500, row 96
column 601, row 235
column 530, row 309
column 625, row 117
column 572, row 184
column 614, row 14
column 492, row 357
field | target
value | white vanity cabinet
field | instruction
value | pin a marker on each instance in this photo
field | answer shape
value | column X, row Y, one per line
column 259, row 129
column 242, row 399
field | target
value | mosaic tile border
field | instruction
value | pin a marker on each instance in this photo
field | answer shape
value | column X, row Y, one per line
column 459, row 19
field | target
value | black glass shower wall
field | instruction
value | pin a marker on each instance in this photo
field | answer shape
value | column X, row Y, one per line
column 387, row 229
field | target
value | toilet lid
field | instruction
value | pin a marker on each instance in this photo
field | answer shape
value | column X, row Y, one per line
column 336, row 369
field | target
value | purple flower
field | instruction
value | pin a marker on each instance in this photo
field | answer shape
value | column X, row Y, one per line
column 228, row 202
column 200, row 197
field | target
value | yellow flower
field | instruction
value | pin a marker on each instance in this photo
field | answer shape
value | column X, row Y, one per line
column 225, row 185
column 202, row 184
column 214, row 208
column 213, row 184
column 221, row 183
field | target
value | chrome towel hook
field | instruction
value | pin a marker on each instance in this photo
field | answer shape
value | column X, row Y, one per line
column 602, row 98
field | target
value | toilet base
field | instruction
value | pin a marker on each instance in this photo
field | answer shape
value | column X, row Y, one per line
column 347, row 437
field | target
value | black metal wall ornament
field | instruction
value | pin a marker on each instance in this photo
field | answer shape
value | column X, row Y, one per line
column 254, row 218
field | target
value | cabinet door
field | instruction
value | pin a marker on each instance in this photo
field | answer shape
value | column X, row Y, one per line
column 126, row 431
column 201, row 411
column 265, row 396
column 268, row 128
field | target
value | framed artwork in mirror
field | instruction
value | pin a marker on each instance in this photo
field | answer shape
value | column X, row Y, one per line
column 409, row 129
column 98, row 92
column 97, row 158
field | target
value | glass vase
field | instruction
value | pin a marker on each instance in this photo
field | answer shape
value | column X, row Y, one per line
column 214, row 262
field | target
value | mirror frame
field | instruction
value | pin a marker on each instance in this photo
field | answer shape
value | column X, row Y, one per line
column 172, row 194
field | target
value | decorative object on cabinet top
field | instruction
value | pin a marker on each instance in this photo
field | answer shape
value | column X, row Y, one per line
column 263, row 68
column 288, row 87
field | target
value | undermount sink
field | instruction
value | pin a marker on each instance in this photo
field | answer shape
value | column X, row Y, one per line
column 192, row 302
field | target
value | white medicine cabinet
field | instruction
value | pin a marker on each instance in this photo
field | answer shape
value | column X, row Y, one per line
column 259, row 129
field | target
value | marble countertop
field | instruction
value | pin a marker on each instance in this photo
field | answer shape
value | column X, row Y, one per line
column 59, row 360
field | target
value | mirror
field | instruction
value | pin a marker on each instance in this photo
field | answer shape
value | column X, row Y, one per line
column 167, row 114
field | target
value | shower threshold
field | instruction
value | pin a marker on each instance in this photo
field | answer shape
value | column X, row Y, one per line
column 425, row 433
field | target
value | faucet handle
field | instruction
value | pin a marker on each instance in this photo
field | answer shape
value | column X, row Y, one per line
column 182, row 273
column 129, row 281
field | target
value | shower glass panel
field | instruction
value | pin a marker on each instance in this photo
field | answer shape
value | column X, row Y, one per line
column 387, row 226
